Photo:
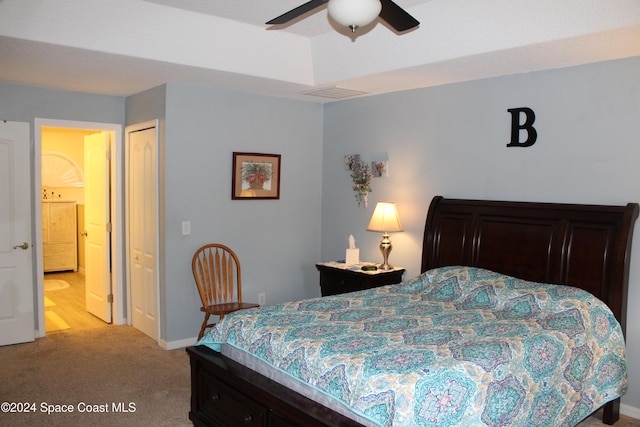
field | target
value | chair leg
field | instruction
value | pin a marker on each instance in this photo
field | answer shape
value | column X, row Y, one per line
column 204, row 326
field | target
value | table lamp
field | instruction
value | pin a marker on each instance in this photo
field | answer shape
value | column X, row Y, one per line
column 385, row 219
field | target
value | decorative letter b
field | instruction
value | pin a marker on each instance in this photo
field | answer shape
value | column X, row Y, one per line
column 530, row 117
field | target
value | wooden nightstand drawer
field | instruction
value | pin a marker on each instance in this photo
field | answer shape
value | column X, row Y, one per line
column 336, row 280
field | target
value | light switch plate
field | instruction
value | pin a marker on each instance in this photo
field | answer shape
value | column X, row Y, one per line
column 186, row 228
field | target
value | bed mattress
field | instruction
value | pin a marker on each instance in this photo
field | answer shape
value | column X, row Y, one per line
column 453, row 345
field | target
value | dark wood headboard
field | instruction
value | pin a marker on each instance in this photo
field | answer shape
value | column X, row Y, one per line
column 586, row 246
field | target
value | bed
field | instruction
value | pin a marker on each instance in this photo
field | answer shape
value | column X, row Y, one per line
column 495, row 261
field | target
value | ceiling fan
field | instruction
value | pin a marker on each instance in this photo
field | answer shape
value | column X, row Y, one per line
column 355, row 13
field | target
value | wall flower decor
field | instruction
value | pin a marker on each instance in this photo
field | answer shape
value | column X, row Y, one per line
column 361, row 176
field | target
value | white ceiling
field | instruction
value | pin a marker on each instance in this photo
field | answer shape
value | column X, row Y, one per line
column 122, row 47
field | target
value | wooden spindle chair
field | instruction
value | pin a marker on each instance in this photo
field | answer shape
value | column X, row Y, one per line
column 216, row 269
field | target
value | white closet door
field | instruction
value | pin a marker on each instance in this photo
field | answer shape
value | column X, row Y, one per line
column 142, row 229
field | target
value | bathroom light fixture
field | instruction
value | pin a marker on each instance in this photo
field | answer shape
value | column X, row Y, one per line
column 385, row 219
column 354, row 13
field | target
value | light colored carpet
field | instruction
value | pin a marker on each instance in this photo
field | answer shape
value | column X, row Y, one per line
column 55, row 284
column 596, row 421
column 114, row 365
column 111, row 368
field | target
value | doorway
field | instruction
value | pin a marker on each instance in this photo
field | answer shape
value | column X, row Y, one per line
column 61, row 141
column 68, row 173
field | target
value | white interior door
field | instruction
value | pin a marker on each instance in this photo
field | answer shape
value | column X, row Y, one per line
column 142, row 228
column 16, row 268
column 97, row 224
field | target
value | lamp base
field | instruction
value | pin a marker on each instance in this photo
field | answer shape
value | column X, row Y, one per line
column 385, row 249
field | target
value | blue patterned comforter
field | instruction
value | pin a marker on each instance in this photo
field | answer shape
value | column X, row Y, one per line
column 455, row 345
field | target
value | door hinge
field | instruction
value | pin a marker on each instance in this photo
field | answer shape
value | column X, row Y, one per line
column 110, row 298
column 108, row 154
column 109, row 227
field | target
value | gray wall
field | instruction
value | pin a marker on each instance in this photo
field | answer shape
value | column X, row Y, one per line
column 448, row 140
column 142, row 108
column 25, row 104
column 22, row 103
column 278, row 241
column 451, row 141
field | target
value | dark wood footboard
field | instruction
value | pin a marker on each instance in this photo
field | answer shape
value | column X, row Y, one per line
column 227, row 394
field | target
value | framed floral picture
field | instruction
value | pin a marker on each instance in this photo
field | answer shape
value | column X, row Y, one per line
column 255, row 176
column 380, row 169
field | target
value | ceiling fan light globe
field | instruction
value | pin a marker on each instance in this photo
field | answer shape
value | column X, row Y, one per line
column 354, row 13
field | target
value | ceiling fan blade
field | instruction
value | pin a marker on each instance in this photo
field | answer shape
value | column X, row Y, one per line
column 298, row 11
column 396, row 16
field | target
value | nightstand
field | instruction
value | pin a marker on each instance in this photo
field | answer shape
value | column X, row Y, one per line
column 338, row 278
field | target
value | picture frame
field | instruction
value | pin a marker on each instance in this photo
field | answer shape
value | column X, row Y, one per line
column 349, row 160
column 255, row 176
column 380, row 169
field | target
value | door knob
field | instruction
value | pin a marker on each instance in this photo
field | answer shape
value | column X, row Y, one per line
column 84, row 233
column 24, row 246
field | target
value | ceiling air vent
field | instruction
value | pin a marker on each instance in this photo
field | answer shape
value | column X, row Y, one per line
column 334, row 92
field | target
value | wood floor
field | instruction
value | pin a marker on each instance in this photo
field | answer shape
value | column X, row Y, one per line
column 65, row 308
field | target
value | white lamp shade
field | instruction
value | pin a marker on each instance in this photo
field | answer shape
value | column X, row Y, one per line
column 354, row 13
column 385, row 218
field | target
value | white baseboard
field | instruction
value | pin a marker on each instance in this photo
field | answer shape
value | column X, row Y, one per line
column 630, row 411
column 172, row 345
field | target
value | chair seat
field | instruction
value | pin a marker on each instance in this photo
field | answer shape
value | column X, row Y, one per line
column 226, row 308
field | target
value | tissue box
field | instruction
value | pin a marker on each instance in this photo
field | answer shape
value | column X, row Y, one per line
column 353, row 256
